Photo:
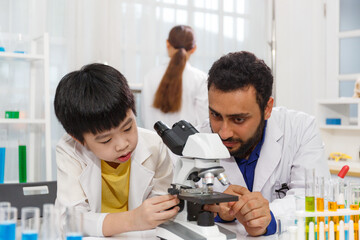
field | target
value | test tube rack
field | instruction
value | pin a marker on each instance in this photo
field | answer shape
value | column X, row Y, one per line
column 299, row 232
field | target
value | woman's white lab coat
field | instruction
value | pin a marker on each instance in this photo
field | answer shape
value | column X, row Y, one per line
column 79, row 177
column 194, row 106
column 292, row 143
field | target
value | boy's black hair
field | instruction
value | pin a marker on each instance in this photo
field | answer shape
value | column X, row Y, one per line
column 239, row 70
column 93, row 99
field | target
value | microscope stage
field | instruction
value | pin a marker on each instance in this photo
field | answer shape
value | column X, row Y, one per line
column 214, row 197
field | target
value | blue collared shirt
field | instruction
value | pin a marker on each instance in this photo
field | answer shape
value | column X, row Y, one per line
column 247, row 168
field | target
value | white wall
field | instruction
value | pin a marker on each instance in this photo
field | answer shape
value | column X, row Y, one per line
column 300, row 73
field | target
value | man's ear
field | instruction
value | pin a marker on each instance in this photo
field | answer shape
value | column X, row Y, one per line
column 268, row 108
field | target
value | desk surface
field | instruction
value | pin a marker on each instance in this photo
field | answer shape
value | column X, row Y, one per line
column 151, row 234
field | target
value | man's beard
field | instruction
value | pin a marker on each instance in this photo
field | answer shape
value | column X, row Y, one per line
column 247, row 147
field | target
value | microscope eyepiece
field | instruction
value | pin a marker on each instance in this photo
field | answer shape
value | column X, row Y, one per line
column 176, row 137
column 160, row 128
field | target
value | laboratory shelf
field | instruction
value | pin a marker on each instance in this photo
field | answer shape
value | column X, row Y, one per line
column 39, row 162
column 354, row 167
column 22, row 121
column 20, row 56
column 344, row 138
column 339, row 127
column 341, row 100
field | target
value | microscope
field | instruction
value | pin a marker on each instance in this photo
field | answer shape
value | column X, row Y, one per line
column 194, row 176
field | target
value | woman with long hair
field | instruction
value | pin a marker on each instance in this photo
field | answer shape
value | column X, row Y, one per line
column 175, row 91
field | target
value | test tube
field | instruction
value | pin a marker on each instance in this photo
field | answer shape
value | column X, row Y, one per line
column 354, row 200
column 5, row 204
column 8, row 217
column 320, row 193
column 73, row 224
column 332, row 204
column 50, row 223
column 309, row 197
column 340, row 198
column 30, row 223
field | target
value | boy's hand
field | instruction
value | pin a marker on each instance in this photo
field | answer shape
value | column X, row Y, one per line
column 153, row 211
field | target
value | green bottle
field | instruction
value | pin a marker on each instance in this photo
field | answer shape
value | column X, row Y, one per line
column 22, row 163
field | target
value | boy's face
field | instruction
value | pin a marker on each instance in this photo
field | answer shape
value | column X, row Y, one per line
column 117, row 144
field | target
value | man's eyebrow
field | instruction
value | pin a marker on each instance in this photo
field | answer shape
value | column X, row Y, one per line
column 107, row 134
column 239, row 115
column 235, row 115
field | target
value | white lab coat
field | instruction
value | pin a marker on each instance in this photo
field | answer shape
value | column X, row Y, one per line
column 292, row 143
column 194, row 106
column 79, row 177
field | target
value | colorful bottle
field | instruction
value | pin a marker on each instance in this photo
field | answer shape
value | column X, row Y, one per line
column 22, row 164
column 73, row 224
column 30, row 223
column 320, row 194
column 3, row 137
column 309, row 197
column 8, row 218
column 332, row 204
column 22, row 157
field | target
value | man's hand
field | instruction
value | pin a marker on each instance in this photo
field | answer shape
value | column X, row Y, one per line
column 251, row 210
column 153, row 211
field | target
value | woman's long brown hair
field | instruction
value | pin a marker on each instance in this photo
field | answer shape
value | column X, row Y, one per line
column 169, row 93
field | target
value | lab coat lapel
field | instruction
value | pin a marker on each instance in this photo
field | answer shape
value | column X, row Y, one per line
column 90, row 179
column 270, row 155
column 233, row 171
column 140, row 176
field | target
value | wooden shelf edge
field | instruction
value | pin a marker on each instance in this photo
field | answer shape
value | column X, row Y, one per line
column 354, row 167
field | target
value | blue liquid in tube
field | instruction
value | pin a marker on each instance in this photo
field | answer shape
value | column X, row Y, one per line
column 2, row 164
column 29, row 236
column 7, row 231
column 74, row 237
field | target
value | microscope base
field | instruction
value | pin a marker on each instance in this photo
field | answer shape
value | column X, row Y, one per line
column 185, row 230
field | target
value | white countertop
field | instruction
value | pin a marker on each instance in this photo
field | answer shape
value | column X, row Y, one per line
column 151, row 234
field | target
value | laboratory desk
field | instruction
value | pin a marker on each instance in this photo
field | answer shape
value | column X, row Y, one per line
column 151, row 234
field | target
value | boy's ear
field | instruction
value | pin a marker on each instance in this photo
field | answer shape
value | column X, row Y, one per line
column 77, row 140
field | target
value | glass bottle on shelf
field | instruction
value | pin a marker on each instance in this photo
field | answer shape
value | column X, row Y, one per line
column 3, row 138
column 22, row 157
column 19, row 44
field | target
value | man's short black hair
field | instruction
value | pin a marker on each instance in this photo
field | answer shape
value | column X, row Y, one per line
column 239, row 70
column 93, row 99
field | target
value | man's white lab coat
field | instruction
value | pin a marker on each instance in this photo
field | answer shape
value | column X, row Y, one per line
column 292, row 143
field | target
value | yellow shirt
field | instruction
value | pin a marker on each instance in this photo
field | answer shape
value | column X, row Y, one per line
column 114, row 187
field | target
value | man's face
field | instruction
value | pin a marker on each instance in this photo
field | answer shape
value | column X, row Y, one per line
column 117, row 144
column 237, row 118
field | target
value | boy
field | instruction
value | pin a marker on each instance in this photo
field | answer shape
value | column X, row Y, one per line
column 107, row 167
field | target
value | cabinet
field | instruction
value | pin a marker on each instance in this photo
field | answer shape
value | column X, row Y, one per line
column 24, row 81
column 343, row 138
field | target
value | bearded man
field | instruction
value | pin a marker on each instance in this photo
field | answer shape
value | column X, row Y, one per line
column 270, row 147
